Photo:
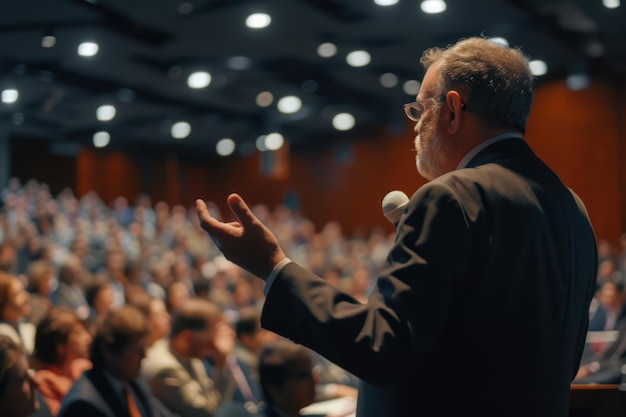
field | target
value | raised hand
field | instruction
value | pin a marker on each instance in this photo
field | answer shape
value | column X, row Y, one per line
column 246, row 242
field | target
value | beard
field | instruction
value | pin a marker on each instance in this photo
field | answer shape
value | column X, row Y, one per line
column 431, row 150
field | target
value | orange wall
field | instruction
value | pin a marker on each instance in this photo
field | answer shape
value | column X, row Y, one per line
column 580, row 134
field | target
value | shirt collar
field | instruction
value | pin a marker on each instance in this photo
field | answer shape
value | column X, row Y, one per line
column 483, row 145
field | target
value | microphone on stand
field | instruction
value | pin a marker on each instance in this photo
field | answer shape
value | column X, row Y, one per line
column 393, row 206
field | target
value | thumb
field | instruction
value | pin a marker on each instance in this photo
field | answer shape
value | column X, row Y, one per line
column 241, row 210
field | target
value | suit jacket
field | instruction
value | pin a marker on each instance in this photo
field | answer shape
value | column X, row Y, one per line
column 185, row 389
column 92, row 395
column 24, row 335
column 481, row 308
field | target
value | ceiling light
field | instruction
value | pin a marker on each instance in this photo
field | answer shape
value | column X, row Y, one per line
column 389, row 80
column 199, row 79
column 87, row 49
column 411, row 87
column 9, row 95
column 326, row 50
column 358, row 58
column 289, row 104
column 48, row 41
column 258, row 20
column 180, row 130
column 264, row 99
column 105, row 112
column 343, row 121
column 101, row 139
column 260, row 143
column 500, row 41
column 611, row 4
column 274, row 141
column 238, row 63
column 576, row 82
column 433, row 6
column 225, row 147
column 386, row 2
column 17, row 118
column 538, row 67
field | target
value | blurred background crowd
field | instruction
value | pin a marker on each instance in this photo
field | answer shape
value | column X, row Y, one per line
column 66, row 263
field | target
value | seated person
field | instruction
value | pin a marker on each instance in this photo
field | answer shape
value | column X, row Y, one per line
column 287, row 379
column 174, row 366
column 61, row 354
column 14, row 308
column 112, row 387
column 17, row 385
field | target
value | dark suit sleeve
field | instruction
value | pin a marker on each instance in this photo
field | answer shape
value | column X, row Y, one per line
column 81, row 408
column 404, row 317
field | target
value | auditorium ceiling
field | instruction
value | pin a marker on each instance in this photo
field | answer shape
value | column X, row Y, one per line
column 148, row 49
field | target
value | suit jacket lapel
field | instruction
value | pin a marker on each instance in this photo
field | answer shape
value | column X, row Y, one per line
column 111, row 398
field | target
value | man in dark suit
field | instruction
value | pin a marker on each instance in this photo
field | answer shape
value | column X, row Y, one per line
column 111, row 388
column 482, row 306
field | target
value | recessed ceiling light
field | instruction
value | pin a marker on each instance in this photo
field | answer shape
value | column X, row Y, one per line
column 225, row 147
column 538, row 67
column 10, row 95
column 258, row 20
column 48, row 41
column 180, row 130
column 199, row 79
column 343, row 121
column 386, row 2
column 238, row 63
column 389, row 80
column 500, row 41
column 101, row 139
column 264, row 99
column 184, row 8
column 433, row 6
column 358, row 58
column 326, row 50
column 260, row 143
column 105, row 112
column 611, row 4
column 274, row 141
column 87, row 49
column 411, row 87
column 289, row 104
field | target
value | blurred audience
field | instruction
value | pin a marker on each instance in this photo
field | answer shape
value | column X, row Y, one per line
column 14, row 309
column 61, row 354
column 17, row 384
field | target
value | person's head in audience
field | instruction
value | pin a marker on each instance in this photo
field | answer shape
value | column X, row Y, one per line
column 611, row 295
column 158, row 316
column 14, row 299
column 249, row 332
column 176, row 295
column 120, row 343
column 70, row 270
column 286, row 376
column 41, row 275
column 17, row 385
column 61, row 338
column 194, row 329
column 8, row 257
column 99, row 296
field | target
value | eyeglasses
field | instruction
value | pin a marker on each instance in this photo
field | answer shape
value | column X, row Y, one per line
column 414, row 110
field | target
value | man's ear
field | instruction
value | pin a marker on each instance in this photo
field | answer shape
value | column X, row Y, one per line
column 454, row 106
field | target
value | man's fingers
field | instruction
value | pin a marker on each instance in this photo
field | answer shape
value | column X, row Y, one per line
column 241, row 210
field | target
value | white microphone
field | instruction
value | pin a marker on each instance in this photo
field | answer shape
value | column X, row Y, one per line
column 393, row 206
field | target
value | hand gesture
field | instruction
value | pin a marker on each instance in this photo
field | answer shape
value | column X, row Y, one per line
column 246, row 242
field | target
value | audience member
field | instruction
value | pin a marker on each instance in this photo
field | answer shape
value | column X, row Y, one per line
column 99, row 296
column 158, row 316
column 287, row 379
column 61, row 354
column 112, row 387
column 17, row 385
column 14, row 308
column 174, row 367
column 69, row 293
column 41, row 277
